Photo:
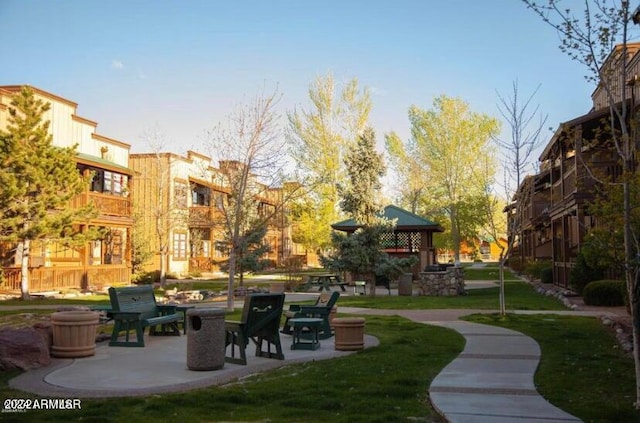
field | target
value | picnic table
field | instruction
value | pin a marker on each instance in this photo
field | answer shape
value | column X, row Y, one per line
column 325, row 281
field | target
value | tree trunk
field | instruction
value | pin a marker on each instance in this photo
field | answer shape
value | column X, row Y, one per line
column 232, row 275
column 631, row 274
column 503, row 308
column 634, row 299
column 164, row 258
column 372, row 278
column 24, row 270
column 455, row 237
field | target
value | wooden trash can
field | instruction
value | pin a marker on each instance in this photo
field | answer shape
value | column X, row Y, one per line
column 74, row 333
column 349, row 333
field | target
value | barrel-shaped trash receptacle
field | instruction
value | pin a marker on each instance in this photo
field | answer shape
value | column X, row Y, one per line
column 205, row 338
column 349, row 333
column 405, row 284
column 74, row 333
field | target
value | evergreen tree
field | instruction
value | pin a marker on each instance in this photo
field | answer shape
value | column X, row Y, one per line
column 365, row 167
column 250, row 251
column 37, row 182
column 361, row 252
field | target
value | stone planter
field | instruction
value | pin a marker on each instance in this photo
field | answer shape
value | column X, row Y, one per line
column 74, row 333
column 349, row 333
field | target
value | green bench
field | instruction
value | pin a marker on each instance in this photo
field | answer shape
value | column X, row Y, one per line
column 260, row 323
column 133, row 308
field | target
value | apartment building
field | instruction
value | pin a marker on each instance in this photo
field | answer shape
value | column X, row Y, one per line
column 99, row 263
column 179, row 203
column 549, row 216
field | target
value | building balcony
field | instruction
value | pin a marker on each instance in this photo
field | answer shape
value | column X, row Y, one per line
column 106, row 204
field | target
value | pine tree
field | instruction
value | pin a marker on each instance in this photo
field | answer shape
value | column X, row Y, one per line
column 250, row 252
column 37, row 182
column 362, row 252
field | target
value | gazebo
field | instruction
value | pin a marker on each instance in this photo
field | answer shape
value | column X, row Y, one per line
column 412, row 236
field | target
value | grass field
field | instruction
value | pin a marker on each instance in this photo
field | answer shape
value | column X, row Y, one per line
column 582, row 371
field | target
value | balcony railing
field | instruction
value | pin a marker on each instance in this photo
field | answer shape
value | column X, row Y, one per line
column 106, row 204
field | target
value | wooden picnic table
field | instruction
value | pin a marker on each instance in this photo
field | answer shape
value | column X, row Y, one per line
column 326, row 281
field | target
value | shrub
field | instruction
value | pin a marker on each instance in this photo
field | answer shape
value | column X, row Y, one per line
column 605, row 293
column 516, row 264
column 146, row 278
column 583, row 273
column 533, row 268
column 546, row 275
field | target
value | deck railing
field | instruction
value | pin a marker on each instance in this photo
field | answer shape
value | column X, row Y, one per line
column 43, row 279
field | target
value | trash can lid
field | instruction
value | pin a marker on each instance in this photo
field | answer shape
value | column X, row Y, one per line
column 206, row 311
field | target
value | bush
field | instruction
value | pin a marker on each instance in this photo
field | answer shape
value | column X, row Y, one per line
column 146, row 278
column 516, row 264
column 546, row 275
column 583, row 273
column 605, row 293
column 533, row 269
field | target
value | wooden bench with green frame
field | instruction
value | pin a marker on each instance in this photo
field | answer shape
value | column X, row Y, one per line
column 133, row 308
column 260, row 323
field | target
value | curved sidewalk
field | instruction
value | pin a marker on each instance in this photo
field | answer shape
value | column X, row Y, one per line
column 492, row 380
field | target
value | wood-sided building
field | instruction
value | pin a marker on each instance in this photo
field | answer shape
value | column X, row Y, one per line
column 178, row 202
column 549, row 216
column 99, row 263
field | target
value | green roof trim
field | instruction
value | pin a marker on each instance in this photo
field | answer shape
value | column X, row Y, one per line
column 405, row 220
column 102, row 163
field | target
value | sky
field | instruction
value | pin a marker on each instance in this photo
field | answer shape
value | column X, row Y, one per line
column 183, row 66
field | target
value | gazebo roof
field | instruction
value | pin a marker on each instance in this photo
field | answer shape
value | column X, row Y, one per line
column 405, row 221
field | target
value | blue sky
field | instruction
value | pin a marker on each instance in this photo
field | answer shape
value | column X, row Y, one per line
column 184, row 65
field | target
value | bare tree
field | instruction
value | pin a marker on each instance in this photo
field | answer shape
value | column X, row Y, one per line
column 167, row 212
column 526, row 123
column 598, row 40
column 251, row 151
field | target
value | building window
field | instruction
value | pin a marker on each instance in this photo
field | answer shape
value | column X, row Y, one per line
column 200, row 196
column 113, row 247
column 180, row 194
column 180, row 246
column 108, row 182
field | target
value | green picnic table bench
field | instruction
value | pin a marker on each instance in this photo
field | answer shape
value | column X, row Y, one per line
column 134, row 308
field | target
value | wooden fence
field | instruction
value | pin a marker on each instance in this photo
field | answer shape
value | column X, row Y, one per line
column 44, row 279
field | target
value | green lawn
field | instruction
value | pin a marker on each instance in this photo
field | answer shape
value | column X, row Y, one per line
column 582, row 371
column 519, row 296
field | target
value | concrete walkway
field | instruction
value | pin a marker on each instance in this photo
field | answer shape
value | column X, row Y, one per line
column 491, row 380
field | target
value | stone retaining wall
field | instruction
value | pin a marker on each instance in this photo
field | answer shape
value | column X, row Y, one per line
column 442, row 284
